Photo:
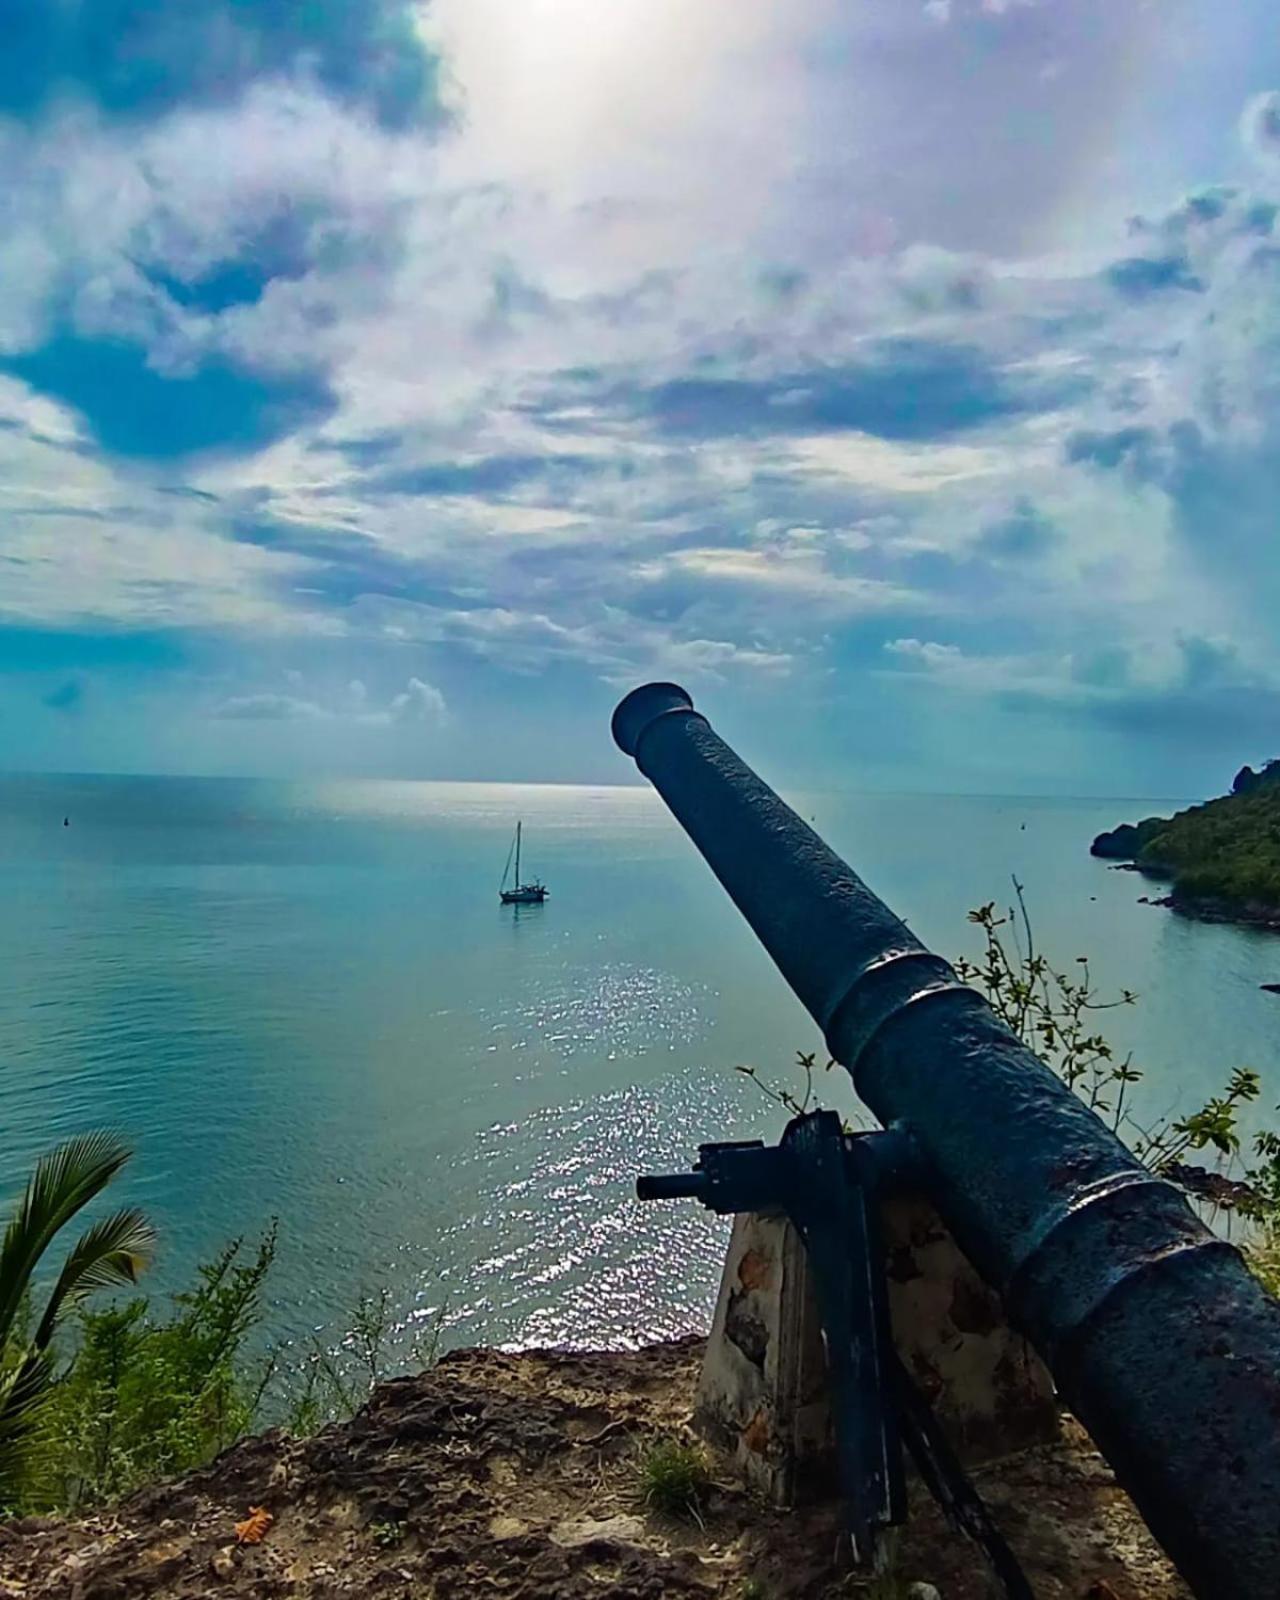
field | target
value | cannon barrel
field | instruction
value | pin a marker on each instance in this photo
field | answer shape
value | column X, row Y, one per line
column 1160, row 1339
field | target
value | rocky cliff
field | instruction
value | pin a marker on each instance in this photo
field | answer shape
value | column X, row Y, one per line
column 516, row 1475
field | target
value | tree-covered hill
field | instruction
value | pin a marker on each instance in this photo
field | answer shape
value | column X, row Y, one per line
column 1223, row 857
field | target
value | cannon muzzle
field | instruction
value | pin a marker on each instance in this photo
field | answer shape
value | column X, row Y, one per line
column 1158, row 1336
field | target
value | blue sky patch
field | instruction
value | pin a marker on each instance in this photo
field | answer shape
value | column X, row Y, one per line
column 143, row 57
column 345, row 565
column 1022, row 535
column 907, row 389
column 26, row 649
column 66, row 697
column 491, row 476
column 134, row 411
column 1140, row 276
column 229, row 283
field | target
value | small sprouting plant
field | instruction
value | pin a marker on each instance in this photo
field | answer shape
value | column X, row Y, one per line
column 795, row 1105
column 889, row 1581
column 387, row 1535
column 334, row 1381
column 1049, row 1009
column 674, row 1478
column 1052, row 1012
column 753, row 1589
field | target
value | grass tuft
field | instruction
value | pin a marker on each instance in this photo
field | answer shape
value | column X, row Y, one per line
column 674, row 1479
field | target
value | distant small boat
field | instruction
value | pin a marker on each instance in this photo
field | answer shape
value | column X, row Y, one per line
column 520, row 894
column 1271, row 988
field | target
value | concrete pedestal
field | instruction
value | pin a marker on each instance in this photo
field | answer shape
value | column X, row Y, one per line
column 763, row 1392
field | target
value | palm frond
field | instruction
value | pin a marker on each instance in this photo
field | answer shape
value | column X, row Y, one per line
column 111, row 1253
column 62, row 1184
column 23, row 1391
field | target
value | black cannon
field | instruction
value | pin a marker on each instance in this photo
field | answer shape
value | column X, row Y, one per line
column 1158, row 1337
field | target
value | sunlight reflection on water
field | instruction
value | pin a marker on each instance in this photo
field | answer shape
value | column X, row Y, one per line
column 579, row 1260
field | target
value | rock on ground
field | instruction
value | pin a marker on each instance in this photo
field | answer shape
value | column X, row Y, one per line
column 517, row 1475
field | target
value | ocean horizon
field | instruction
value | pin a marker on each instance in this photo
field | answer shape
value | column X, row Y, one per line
column 304, row 1001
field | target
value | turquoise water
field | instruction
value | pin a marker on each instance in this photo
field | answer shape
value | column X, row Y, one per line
column 306, row 1002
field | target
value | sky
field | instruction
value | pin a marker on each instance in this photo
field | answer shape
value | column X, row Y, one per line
column 385, row 388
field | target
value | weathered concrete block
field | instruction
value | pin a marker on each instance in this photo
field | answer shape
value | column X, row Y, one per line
column 987, row 1386
column 762, row 1395
column 763, row 1391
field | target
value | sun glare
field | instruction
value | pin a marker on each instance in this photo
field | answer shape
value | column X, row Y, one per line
column 554, row 83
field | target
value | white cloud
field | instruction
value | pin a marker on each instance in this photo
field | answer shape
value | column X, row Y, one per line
column 426, row 350
column 924, row 651
column 81, row 543
column 1142, row 671
column 42, row 419
column 534, row 287
column 267, row 708
column 896, row 468
column 790, row 571
column 417, row 702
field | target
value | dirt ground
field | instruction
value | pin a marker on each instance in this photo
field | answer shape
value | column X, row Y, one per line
column 517, row 1475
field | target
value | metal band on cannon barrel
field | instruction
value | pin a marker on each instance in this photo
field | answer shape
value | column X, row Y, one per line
column 1160, row 1339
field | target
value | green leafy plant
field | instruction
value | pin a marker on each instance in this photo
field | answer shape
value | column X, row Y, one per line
column 1054, row 1010
column 674, row 1479
column 1049, row 1009
column 146, row 1397
column 889, row 1581
column 109, row 1253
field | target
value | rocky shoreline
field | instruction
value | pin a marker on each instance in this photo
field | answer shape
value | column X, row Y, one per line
column 517, row 1476
column 1243, row 916
column 1196, row 909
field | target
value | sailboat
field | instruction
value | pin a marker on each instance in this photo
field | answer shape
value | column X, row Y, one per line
column 520, row 894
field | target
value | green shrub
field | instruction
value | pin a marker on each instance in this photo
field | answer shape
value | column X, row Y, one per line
column 144, row 1398
column 332, row 1383
column 1053, row 1011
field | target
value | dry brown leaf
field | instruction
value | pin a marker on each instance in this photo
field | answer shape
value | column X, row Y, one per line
column 253, row 1530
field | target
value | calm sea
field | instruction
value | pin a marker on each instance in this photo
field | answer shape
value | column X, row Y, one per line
column 306, row 1002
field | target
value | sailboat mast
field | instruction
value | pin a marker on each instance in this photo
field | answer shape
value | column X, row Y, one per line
column 518, row 827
